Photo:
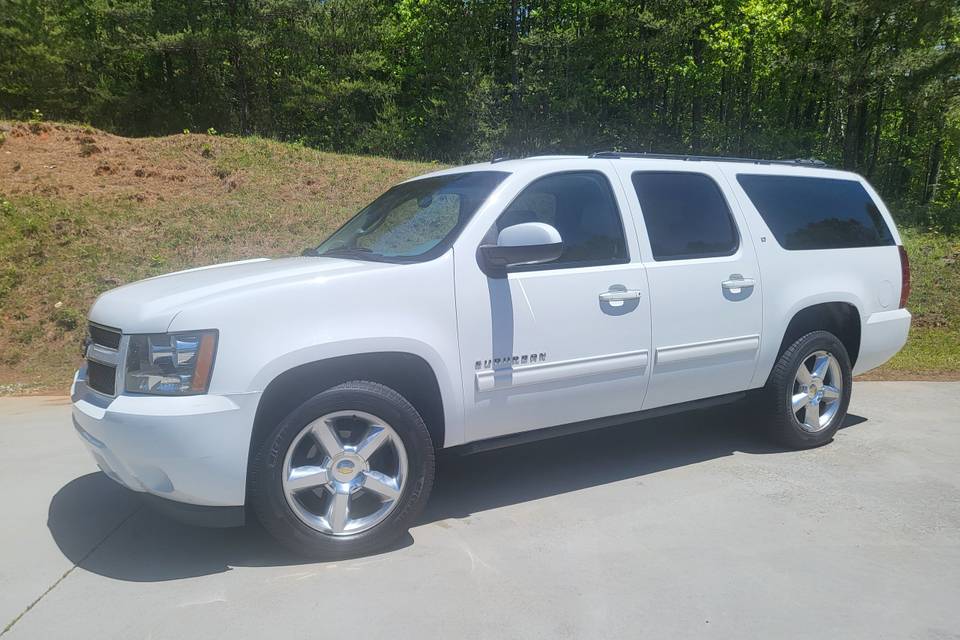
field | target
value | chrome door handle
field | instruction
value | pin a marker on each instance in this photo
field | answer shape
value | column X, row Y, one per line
column 619, row 296
column 737, row 281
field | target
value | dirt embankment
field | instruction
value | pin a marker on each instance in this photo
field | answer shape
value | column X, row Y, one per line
column 83, row 211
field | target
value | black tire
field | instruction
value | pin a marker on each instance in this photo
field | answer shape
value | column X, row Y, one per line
column 781, row 422
column 266, row 487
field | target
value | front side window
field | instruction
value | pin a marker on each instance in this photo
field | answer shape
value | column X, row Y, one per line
column 817, row 213
column 581, row 206
column 685, row 214
column 415, row 220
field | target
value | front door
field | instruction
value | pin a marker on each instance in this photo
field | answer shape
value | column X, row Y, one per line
column 704, row 281
column 560, row 342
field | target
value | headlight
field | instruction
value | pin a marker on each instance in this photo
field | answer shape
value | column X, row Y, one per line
column 171, row 364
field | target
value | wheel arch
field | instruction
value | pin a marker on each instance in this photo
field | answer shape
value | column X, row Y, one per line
column 408, row 374
column 841, row 318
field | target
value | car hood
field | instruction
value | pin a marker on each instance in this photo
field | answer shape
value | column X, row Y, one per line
column 149, row 306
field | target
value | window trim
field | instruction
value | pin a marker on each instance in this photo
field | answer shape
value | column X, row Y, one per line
column 491, row 234
column 692, row 256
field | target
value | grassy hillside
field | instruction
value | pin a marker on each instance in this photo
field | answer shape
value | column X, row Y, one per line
column 933, row 349
column 82, row 211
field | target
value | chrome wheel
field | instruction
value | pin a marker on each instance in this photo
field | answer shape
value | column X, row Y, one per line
column 817, row 388
column 344, row 473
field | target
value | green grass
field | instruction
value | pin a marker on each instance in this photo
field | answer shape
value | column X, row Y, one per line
column 933, row 349
column 929, row 353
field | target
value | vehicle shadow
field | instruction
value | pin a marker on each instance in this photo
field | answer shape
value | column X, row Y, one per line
column 144, row 546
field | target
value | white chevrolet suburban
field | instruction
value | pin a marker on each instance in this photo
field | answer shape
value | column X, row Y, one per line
column 487, row 305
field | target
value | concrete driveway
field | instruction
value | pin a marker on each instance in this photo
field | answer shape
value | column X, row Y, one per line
column 690, row 526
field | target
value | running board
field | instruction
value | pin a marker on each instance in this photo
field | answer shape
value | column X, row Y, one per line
column 546, row 433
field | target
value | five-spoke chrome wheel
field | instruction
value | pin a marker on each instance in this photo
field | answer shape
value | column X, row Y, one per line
column 344, row 472
column 817, row 389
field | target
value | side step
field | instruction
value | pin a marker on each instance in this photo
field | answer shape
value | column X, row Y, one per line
column 589, row 425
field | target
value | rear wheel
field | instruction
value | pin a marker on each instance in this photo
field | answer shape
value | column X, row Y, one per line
column 808, row 391
column 345, row 473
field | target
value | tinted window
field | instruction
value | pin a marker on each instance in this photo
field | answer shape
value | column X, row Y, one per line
column 686, row 215
column 817, row 213
column 580, row 205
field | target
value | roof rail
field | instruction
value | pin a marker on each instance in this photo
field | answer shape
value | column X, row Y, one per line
column 802, row 162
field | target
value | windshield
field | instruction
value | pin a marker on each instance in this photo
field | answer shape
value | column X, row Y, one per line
column 415, row 220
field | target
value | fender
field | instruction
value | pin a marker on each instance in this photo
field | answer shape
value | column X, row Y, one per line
column 448, row 382
column 777, row 321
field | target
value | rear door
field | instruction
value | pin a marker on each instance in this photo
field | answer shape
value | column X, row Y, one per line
column 704, row 280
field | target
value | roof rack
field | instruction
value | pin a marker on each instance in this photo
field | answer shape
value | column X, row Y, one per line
column 802, row 162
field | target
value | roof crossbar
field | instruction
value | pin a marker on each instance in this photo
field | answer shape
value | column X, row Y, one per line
column 799, row 162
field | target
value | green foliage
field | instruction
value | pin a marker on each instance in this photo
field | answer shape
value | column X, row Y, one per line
column 935, row 269
column 66, row 318
column 934, row 343
column 869, row 85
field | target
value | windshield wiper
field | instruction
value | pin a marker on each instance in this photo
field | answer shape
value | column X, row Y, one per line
column 348, row 252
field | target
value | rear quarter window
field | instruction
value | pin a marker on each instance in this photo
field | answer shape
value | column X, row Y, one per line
column 817, row 213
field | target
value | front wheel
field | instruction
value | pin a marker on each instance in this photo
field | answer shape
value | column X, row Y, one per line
column 345, row 474
column 808, row 391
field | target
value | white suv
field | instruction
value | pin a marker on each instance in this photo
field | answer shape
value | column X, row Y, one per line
column 485, row 305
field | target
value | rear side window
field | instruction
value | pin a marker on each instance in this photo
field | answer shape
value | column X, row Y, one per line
column 817, row 213
column 685, row 214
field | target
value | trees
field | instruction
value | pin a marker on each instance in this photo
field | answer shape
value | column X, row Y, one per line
column 871, row 85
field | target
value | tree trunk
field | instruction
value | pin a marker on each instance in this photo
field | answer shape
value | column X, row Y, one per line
column 241, row 90
column 861, row 132
column 696, row 142
column 746, row 96
column 933, row 174
column 853, row 127
column 723, row 115
column 514, row 55
column 900, row 173
column 877, row 129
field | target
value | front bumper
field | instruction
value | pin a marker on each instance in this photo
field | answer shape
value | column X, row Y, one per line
column 189, row 449
column 196, row 514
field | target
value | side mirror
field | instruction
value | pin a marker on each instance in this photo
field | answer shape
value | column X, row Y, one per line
column 520, row 244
